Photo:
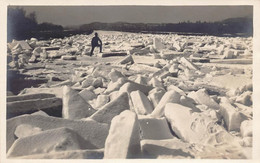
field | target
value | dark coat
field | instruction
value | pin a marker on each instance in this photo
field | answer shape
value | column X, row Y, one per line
column 96, row 41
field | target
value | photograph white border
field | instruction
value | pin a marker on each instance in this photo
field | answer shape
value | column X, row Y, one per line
column 256, row 66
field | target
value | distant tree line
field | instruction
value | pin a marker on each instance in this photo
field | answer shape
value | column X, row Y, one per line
column 21, row 25
column 233, row 26
column 18, row 23
column 24, row 26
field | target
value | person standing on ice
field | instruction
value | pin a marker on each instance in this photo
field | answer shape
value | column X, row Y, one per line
column 96, row 42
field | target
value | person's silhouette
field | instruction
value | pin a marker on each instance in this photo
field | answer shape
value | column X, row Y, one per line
column 96, row 42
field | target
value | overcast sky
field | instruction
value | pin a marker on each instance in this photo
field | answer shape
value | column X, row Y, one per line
column 76, row 15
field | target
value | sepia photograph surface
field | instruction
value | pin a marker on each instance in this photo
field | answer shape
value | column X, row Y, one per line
column 146, row 82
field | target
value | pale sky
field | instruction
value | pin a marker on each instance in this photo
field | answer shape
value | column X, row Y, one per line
column 76, row 15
